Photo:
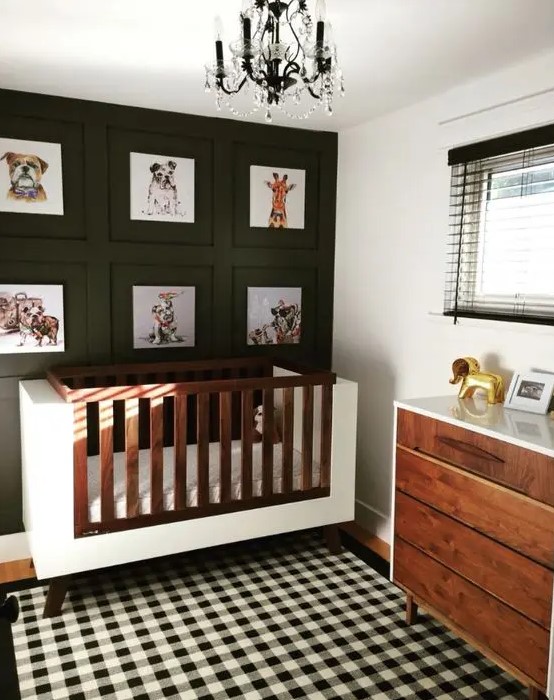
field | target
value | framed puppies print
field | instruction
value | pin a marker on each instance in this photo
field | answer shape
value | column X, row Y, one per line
column 163, row 317
column 31, row 177
column 274, row 315
column 31, row 318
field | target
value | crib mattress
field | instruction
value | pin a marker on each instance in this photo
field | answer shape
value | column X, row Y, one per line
column 120, row 497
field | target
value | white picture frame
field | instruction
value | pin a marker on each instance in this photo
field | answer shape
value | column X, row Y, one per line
column 274, row 316
column 162, row 188
column 288, row 186
column 530, row 391
column 163, row 317
column 31, row 179
column 31, row 318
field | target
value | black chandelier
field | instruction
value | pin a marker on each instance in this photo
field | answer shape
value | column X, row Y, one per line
column 278, row 58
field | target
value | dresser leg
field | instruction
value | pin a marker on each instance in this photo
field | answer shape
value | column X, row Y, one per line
column 411, row 610
column 535, row 694
column 55, row 596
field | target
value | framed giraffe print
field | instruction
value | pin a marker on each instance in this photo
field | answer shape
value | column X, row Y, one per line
column 277, row 197
column 276, row 193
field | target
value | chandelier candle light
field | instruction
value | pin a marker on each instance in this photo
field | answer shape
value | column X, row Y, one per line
column 278, row 58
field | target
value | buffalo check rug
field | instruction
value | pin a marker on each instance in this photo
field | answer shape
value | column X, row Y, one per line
column 273, row 618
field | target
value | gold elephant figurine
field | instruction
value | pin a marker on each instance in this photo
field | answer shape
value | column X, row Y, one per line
column 468, row 371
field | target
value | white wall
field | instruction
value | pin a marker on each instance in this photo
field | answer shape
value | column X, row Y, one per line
column 393, row 196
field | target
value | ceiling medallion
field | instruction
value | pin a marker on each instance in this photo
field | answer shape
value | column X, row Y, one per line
column 278, row 59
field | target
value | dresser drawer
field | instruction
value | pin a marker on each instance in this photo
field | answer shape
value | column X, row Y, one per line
column 519, row 641
column 515, row 520
column 514, row 579
column 526, row 471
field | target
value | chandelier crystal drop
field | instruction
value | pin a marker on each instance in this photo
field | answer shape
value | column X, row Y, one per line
column 279, row 59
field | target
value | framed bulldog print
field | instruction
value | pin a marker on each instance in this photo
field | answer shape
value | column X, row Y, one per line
column 274, row 315
column 277, row 197
column 31, row 318
column 162, row 188
column 31, row 177
column 163, row 317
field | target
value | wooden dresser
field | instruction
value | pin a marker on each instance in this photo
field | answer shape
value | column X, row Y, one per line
column 473, row 510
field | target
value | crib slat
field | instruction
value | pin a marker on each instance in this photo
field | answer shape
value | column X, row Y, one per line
column 267, row 443
column 203, row 447
column 106, row 460
column 180, row 455
column 307, row 437
column 156, row 455
column 326, row 435
column 247, row 427
column 288, row 439
column 225, row 417
column 80, row 477
column 132, row 456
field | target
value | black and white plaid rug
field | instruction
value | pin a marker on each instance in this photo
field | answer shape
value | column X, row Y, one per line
column 277, row 618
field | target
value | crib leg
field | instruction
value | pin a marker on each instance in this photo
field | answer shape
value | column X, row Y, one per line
column 331, row 533
column 55, row 596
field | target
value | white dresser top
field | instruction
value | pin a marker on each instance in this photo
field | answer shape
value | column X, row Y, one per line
column 528, row 430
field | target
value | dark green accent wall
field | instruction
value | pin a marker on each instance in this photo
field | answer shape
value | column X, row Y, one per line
column 98, row 253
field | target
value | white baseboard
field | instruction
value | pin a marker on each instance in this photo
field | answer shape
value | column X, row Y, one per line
column 373, row 520
column 14, row 547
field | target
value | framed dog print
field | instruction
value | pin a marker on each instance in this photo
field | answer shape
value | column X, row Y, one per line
column 274, row 315
column 162, row 188
column 277, row 197
column 31, row 177
column 31, row 318
column 530, row 391
column 163, row 317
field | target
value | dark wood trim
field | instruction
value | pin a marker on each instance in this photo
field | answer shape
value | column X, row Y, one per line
column 267, row 442
column 80, row 466
column 247, row 428
column 288, row 440
column 203, row 511
column 148, row 391
column 132, row 456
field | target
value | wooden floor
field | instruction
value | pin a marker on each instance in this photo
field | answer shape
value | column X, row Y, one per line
column 23, row 569
column 16, row 571
column 367, row 539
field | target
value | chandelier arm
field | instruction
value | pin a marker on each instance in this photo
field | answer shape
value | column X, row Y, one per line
column 290, row 68
column 313, row 94
column 298, row 44
column 250, row 74
column 222, row 87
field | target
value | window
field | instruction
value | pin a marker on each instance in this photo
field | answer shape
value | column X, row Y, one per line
column 501, row 243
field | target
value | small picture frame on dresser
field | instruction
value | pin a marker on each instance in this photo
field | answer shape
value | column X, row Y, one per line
column 530, row 391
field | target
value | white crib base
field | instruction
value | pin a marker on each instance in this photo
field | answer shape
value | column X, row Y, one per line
column 47, row 456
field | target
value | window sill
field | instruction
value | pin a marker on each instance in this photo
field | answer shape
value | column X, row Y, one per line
column 501, row 326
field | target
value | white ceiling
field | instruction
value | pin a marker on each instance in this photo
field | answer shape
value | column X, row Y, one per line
column 151, row 53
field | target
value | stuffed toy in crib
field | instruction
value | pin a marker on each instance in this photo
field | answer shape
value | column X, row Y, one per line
column 259, row 426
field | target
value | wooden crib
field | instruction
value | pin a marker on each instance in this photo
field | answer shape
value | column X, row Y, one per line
column 174, row 445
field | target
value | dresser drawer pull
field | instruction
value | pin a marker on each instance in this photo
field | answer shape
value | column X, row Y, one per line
column 469, row 449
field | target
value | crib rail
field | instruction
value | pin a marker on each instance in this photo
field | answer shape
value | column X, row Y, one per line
column 122, row 410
